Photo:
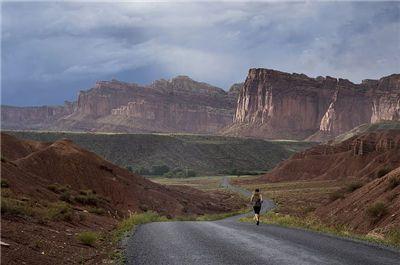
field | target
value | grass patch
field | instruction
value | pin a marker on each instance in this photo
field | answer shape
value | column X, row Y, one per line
column 16, row 207
column 314, row 224
column 4, row 183
column 88, row 238
column 339, row 194
column 60, row 212
column 89, row 197
column 96, row 210
column 394, row 236
column 353, row 186
column 394, row 181
column 58, row 188
column 377, row 210
column 129, row 223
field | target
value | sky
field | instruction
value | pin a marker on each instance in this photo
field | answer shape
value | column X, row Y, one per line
column 50, row 51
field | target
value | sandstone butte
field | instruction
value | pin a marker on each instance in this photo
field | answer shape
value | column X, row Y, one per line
column 275, row 104
column 270, row 104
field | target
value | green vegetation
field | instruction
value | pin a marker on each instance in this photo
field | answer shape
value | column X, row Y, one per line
column 58, row 188
column 4, row 183
column 129, row 223
column 60, row 212
column 202, row 154
column 3, row 159
column 314, row 224
column 89, row 197
column 16, row 207
column 353, row 186
column 394, row 181
column 339, row 194
column 394, row 236
column 377, row 210
column 88, row 238
column 96, row 210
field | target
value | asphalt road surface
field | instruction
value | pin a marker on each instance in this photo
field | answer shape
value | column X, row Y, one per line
column 231, row 242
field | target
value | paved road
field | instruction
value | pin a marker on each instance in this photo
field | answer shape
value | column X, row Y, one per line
column 230, row 242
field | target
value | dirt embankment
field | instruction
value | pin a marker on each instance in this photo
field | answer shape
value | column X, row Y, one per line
column 52, row 191
column 361, row 157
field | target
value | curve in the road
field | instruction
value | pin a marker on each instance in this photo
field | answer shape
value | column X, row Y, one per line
column 234, row 243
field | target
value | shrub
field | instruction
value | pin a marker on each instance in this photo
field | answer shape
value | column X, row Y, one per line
column 353, row 186
column 66, row 196
column 88, row 197
column 130, row 168
column 339, row 194
column 159, row 170
column 382, row 172
column 15, row 207
column 95, row 210
column 88, row 238
column 191, row 173
column 4, row 184
column 58, row 188
column 142, row 171
column 394, row 181
column 60, row 212
column 377, row 210
column 3, row 159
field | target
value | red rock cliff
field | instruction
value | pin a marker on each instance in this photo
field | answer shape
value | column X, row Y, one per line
column 275, row 104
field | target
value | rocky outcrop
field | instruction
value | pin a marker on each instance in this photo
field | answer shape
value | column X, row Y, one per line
column 275, row 104
column 360, row 157
column 16, row 118
column 177, row 105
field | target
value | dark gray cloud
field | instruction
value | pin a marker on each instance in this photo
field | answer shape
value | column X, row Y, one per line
column 52, row 50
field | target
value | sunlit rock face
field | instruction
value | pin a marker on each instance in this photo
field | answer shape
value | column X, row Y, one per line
column 177, row 105
column 278, row 105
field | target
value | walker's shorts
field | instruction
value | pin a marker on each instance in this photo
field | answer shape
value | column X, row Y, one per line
column 257, row 209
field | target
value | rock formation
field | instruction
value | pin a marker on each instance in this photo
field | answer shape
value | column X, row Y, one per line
column 33, row 117
column 275, row 104
column 177, row 105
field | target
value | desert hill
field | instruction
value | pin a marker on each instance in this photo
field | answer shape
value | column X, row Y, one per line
column 362, row 157
column 52, row 192
column 374, row 206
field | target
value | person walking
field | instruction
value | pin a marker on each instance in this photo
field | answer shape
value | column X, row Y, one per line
column 256, row 200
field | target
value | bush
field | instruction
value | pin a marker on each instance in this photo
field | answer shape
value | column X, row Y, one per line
column 88, row 199
column 60, row 212
column 58, row 188
column 16, row 207
column 88, row 238
column 339, row 194
column 4, row 184
column 95, row 210
column 3, row 159
column 353, row 186
column 142, row 171
column 377, row 210
column 130, row 168
column 191, row 173
column 382, row 172
column 66, row 196
column 394, row 181
column 159, row 170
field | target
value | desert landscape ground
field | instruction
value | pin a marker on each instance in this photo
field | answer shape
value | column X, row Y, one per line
column 144, row 133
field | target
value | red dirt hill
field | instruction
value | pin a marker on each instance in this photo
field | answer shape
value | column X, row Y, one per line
column 376, row 206
column 361, row 157
column 39, row 165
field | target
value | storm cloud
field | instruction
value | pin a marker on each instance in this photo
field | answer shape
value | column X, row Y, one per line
column 52, row 50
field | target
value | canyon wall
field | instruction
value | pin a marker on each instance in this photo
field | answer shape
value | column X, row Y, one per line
column 275, row 104
column 177, row 105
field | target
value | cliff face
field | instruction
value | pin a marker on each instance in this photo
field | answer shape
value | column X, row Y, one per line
column 177, row 105
column 275, row 104
column 16, row 118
